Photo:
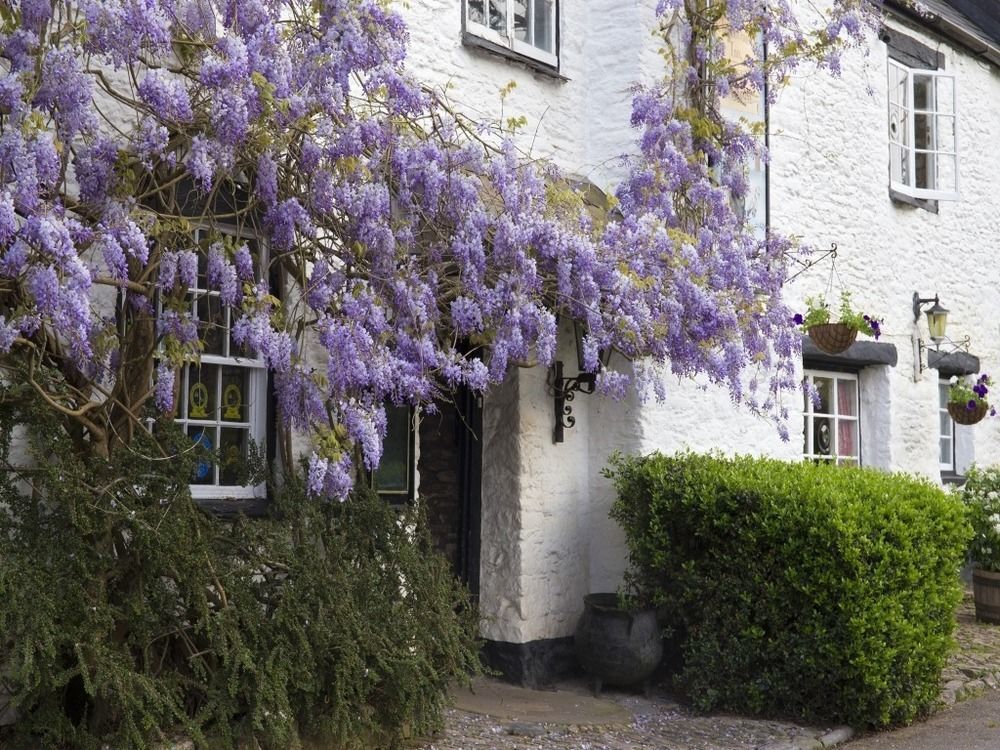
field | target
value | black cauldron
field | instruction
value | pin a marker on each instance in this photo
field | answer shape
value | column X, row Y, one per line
column 617, row 646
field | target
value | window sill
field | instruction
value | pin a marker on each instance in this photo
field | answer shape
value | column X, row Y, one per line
column 927, row 205
column 950, row 477
column 491, row 48
column 228, row 508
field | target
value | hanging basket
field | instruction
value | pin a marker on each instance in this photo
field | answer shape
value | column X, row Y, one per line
column 833, row 338
column 962, row 414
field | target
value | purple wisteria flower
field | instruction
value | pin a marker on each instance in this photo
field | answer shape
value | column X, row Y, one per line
column 431, row 254
column 164, row 391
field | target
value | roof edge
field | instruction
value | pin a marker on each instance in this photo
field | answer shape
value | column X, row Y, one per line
column 969, row 37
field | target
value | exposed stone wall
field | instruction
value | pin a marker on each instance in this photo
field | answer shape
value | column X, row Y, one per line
column 440, row 493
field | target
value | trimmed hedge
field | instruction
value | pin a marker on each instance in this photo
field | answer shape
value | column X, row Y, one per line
column 821, row 592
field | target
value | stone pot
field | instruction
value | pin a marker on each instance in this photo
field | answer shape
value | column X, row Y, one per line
column 617, row 646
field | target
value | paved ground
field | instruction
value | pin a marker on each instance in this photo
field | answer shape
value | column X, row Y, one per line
column 970, row 725
column 503, row 717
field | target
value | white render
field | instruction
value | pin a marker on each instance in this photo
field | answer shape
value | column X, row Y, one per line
column 546, row 536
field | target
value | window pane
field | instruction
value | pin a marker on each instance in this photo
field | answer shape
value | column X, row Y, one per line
column 847, row 398
column 943, row 395
column 923, row 131
column 204, row 439
column 822, row 437
column 392, row 474
column 232, row 455
column 202, row 388
column 211, row 324
column 544, row 25
column 897, row 86
column 897, row 124
column 824, row 387
column 923, row 170
column 498, row 16
column 946, row 172
column 476, row 12
column 899, row 166
column 945, row 423
column 923, row 92
column 234, row 394
column 944, row 135
column 847, row 439
column 202, row 266
column 254, row 247
column 945, row 94
column 945, row 451
column 521, row 31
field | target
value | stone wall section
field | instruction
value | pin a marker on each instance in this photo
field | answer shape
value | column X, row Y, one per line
column 440, row 493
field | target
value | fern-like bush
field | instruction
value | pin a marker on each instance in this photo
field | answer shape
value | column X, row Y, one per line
column 129, row 616
column 817, row 591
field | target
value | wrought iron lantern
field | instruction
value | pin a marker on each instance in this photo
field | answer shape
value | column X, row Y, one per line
column 564, row 389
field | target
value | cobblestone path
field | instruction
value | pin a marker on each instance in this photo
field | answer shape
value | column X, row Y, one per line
column 663, row 724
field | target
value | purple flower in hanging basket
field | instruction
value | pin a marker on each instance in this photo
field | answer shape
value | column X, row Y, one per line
column 797, row 319
column 971, row 406
column 874, row 324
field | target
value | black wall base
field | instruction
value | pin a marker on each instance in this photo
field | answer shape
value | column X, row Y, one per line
column 534, row 664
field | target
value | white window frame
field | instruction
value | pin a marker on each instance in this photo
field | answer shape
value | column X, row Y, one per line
column 257, row 395
column 809, row 416
column 508, row 39
column 910, row 148
column 943, row 387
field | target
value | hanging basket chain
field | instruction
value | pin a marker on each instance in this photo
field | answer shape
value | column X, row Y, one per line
column 807, row 264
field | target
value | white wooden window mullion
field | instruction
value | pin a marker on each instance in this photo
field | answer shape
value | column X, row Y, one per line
column 911, row 158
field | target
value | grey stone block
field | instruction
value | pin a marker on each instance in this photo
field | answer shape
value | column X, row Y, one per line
column 837, row 736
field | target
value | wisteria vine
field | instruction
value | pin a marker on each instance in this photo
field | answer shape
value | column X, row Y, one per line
column 411, row 250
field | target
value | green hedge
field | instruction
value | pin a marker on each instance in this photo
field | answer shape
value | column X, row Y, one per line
column 816, row 591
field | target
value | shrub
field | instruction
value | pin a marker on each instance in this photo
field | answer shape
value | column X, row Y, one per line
column 127, row 614
column 981, row 494
column 817, row 591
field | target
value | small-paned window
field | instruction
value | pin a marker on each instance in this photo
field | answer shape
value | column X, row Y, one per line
column 946, row 429
column 222, row 400
column 831, row 419
column 923, row 136
column 527, row 27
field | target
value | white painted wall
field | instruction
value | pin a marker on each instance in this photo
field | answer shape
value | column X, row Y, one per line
column 829, row 183
column 546, row 537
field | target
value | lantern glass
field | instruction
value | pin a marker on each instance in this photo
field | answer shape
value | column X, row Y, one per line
column 937, row 321
column 579, row 331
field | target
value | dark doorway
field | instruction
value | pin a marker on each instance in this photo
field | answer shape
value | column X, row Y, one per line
column 450, row 485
